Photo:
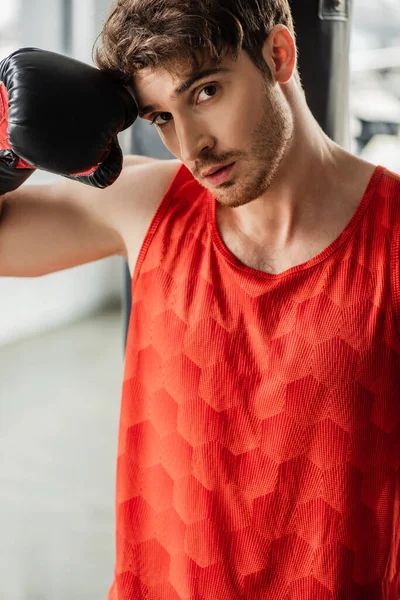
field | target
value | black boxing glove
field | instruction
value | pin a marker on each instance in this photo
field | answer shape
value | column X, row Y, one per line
column 60, row 115
column 13, row 170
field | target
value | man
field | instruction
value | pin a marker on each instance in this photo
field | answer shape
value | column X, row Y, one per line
column 259, row 437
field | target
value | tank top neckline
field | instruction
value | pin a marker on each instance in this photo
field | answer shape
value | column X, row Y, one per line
column 328, row 251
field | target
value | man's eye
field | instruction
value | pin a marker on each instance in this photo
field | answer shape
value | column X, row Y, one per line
column 210, row 90
column 162, row 115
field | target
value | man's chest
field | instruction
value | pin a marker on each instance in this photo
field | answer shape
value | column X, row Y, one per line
column 269, row 258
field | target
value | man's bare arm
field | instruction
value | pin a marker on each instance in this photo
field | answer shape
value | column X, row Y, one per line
column 44, row 229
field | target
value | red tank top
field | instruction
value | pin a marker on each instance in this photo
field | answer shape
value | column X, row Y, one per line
column 259, row 443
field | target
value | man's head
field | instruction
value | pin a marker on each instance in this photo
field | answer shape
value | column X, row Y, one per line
column 161, row 33
column 237, row 114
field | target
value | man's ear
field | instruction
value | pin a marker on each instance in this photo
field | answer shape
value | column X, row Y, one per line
column 279, row 52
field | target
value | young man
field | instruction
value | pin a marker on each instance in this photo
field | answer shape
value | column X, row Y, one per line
column 259, row 442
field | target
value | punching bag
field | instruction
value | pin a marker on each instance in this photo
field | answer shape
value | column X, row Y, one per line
column 323, row 41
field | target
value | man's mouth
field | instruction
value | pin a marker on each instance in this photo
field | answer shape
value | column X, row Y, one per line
column 220, row 175
column 213, row 170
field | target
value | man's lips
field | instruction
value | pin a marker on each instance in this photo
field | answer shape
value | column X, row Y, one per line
column 213, row 170
column 221, row 176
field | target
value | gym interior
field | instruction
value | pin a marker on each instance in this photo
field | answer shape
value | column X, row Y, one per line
column 62, row 336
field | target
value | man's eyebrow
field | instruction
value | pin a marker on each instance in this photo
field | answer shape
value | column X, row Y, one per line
column 184, row 87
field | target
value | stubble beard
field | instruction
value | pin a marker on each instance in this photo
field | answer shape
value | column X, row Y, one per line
column 272, row 138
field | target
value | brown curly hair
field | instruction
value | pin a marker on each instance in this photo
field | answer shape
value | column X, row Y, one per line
column 154, row 33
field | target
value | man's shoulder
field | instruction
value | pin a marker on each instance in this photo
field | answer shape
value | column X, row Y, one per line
column 389, row 188
column 393, row 176
column 147, row 179
column 138, row 159
column 145, row 182
column 389, row 175
column 150, row 168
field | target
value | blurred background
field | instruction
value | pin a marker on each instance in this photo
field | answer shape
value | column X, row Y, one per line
column 61, row 336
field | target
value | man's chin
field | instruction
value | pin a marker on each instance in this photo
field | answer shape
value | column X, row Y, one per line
column 230, row 200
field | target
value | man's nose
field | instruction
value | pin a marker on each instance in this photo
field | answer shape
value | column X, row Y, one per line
column 193, row 140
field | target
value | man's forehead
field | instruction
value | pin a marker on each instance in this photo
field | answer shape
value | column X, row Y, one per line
column 177, row 71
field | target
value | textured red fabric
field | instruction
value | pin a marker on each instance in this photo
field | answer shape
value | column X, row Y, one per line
column 259, row 443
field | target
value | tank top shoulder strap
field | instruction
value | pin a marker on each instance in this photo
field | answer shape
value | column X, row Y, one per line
column 391, row 192
column 178, row 183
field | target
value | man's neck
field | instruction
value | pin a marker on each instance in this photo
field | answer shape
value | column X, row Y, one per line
column 306, row 208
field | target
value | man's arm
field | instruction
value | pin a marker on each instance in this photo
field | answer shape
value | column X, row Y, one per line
column 44, row 229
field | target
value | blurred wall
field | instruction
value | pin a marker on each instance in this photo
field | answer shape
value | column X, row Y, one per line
column 29, row 306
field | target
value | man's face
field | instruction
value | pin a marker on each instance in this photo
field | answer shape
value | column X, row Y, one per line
column 234, row 116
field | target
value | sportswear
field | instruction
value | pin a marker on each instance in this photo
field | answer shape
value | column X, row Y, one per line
column 63, row 116
column 259, row 442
